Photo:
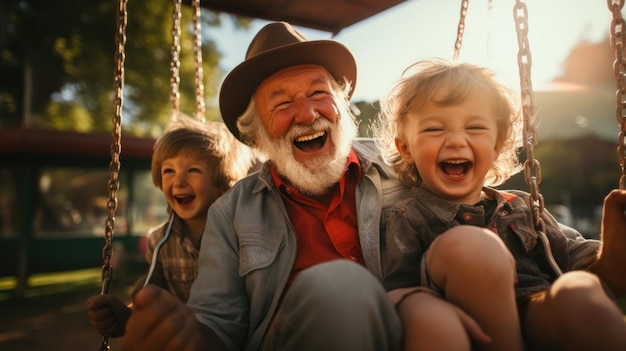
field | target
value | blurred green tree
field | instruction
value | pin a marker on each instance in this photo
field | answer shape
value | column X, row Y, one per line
column 57, row 63
column 576, row 172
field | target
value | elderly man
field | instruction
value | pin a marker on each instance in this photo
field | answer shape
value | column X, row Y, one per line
column 291, row 257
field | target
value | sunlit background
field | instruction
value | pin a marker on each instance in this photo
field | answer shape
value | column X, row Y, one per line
column 388, row 42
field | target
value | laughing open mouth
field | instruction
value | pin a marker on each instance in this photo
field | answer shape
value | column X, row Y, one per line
column 312, row 142
column 455, row 168
column 184, row 199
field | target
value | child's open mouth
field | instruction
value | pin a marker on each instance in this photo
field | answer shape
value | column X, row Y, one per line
column 184, row 199
column 455, row 168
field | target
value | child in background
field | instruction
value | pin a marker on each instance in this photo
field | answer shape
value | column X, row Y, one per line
column 193, row 163
column 459, row 248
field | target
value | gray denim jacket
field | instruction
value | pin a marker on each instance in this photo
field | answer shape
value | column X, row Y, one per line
column 249, row 247
column 416, row 221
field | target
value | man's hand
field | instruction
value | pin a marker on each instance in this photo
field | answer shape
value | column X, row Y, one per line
column 611, row 262
column 159, row 321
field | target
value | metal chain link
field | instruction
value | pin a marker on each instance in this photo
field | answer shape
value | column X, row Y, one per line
column 460, row 29
column 116, row 148
column 532, row 168
column 197, row 49
column 175, row 62
column 618, row 43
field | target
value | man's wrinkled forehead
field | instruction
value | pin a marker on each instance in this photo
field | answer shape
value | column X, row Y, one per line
column 302, row 77
column 298, row 71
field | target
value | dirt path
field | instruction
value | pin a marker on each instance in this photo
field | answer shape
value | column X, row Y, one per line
column 66, row 330
column 51, row 323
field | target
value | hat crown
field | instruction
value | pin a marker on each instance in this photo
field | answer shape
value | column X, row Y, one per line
column 273, row 36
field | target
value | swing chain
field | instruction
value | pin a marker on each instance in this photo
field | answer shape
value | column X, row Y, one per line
column 197, row 50
column 618, row 43
column 460, row 29
column 116, row 148
column 532, row 168
column 175, row 62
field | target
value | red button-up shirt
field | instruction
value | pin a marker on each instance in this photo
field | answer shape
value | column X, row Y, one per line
column 323, row 232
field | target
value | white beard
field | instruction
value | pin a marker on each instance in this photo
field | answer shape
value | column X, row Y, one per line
column 320, row 174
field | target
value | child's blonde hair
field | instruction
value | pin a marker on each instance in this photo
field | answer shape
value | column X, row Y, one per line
column 211, row 141
column 418, row 85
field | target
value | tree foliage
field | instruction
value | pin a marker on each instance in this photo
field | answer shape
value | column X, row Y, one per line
column 575, row 172
column 57, row 64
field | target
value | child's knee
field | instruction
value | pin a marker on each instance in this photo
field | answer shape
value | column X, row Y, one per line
column 577, row 288
column 474, row 246
column 575, row 285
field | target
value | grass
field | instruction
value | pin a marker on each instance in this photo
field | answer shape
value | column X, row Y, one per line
column 52, row 283
column 54, row 291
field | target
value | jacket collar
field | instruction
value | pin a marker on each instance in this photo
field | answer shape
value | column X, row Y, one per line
column 447, row 210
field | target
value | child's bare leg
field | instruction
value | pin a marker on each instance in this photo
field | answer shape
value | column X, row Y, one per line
column 477, row 273
column 430, row 323
column 575, row 314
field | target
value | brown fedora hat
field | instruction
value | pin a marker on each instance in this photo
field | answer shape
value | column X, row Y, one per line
column 276, row 46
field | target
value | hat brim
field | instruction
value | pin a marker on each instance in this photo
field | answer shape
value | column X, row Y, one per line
column 241, row 83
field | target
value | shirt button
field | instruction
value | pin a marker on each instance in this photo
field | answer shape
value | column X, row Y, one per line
column 353, row 258
column 467, row 217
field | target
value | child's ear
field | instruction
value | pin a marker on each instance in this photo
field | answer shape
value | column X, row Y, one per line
column 498, row 150
column 496, row 155
column 403, row 149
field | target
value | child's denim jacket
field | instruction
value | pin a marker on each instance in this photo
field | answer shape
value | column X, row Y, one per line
column 417, row 220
